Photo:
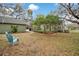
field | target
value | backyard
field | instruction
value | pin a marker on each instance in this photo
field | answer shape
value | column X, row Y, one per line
column 36, row 44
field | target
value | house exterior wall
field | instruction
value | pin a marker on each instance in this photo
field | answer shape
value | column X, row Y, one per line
column 21, row 28
column 7, row 28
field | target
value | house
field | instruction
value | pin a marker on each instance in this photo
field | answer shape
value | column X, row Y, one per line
column 6, row 24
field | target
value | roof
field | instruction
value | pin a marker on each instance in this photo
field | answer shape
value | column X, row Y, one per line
column 10, row 20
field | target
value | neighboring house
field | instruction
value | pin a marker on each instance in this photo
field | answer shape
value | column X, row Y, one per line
column 6, row 24
column 74, row 26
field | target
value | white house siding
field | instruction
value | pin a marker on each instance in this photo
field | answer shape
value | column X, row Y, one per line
column 7, row 28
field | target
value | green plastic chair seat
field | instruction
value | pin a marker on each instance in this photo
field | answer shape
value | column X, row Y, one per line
column 11, row 39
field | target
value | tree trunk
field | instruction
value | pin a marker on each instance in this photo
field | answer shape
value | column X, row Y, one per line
column 50, row 28
column 44, row 28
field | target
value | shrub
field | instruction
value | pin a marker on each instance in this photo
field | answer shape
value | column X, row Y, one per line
column 66, row 31
column 14, row 28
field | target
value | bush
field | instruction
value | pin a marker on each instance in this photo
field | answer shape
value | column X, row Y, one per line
column 40, row 31
column 14, row 29
column 59, row 31
column 66, row 31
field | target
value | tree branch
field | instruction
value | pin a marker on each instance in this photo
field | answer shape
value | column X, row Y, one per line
column 69, row 10
column 73, row 21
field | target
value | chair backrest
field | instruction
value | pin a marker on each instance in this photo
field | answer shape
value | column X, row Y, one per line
column 9, row 37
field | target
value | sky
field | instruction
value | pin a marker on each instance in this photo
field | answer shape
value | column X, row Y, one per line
column 40, row 8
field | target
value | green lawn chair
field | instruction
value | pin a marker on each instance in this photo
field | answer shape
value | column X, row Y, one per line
column 11, row 39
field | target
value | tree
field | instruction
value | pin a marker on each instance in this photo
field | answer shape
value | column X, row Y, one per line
column 52, row 20
column 46, row 21
column 18, row 9
column 40, row 20
column 12, row 9
column 6, row 8
column 71, row 10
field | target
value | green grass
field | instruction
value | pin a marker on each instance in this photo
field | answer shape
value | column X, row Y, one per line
column 33, row 43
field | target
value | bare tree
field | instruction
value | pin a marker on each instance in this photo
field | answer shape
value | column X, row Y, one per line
column 12, row 10
column 18, row 9
column 6, row 8
column 70, row 10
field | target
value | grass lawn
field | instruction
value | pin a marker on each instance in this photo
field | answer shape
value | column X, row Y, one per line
column 32, row 43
